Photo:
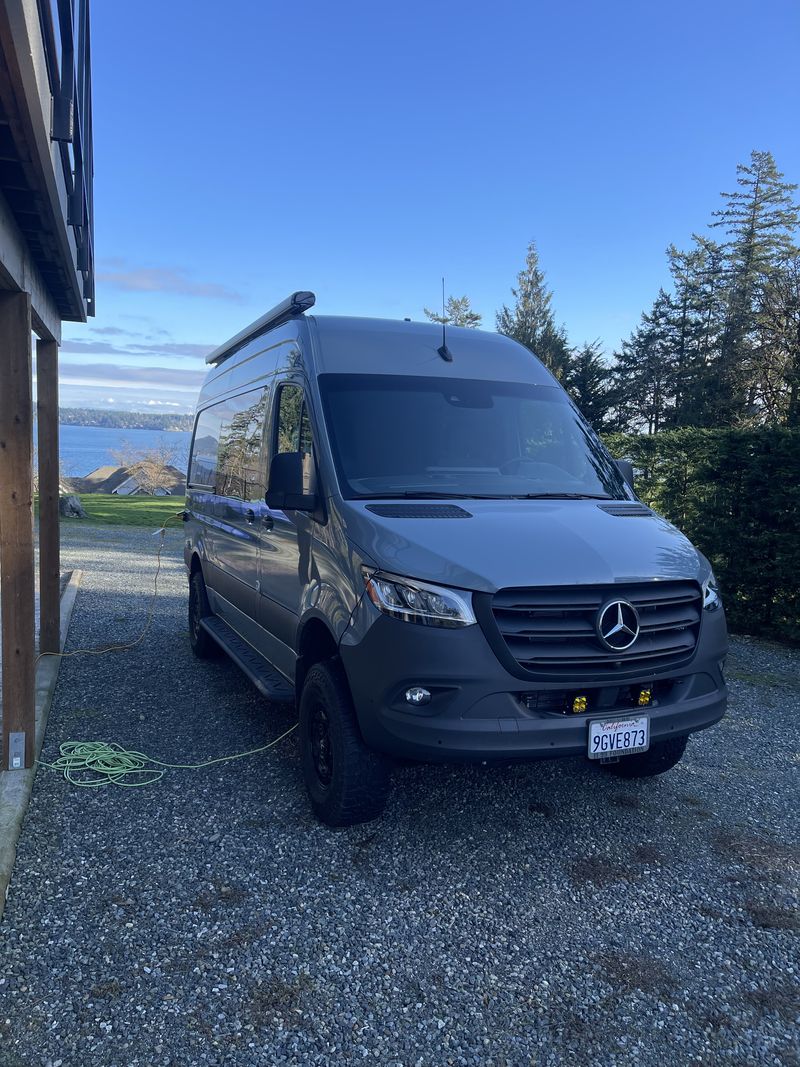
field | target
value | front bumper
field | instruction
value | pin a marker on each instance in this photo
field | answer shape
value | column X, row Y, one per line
column 478, row 710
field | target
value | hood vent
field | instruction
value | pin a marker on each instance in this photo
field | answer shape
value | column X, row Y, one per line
column 626, row 511
column 419, row 511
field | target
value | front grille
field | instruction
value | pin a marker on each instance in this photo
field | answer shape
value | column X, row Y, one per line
column 551, row 631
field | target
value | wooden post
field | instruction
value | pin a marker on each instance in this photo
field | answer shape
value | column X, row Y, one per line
column 16, row 523
column 49, row 553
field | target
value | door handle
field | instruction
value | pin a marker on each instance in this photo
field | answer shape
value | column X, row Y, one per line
column 268, row 522
column 250, row 516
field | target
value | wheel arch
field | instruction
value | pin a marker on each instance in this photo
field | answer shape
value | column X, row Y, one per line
column 315, row 643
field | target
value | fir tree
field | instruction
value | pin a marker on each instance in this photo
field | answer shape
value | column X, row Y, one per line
column 458, row 312
column 778, row 345
column 588, row 381
column 759, row 219
column 721, row 349
column 644, row 373
column 531, row 320
column 697, row 309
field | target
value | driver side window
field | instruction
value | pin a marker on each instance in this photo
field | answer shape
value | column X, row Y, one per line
column 293, row 430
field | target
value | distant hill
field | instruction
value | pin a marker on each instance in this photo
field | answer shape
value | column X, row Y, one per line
column 124, row 420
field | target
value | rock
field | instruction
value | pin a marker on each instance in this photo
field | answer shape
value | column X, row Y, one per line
column 70, row 507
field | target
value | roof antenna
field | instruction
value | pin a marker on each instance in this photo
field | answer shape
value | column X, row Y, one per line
column 444, row 351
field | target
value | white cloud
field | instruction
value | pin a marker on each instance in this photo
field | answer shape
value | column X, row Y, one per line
column 77, row 346
column 165, row 280
column 155, row 380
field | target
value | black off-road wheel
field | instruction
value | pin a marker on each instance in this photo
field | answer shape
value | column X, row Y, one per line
column 661, row 756
column 347, row 782
column 203, row 644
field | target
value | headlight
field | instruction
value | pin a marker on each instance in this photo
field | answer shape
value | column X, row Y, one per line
column 411, row 601
column 711, row 597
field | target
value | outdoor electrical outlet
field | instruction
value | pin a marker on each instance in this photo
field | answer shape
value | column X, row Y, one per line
column 16, row 751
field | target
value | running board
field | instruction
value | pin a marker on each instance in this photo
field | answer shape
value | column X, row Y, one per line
column 262, row 674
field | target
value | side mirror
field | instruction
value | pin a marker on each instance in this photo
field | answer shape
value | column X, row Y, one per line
column 285, row 492
column 625, row 468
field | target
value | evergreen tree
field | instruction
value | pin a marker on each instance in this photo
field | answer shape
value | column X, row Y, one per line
column 691, row 331
column 759, row 220
column 644, row 373
column 531, row 320
column 458, row 312
column 588, row 382
column 721, row 349
column 778, row 345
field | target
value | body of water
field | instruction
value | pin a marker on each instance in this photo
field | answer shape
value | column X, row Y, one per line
column 85, row 448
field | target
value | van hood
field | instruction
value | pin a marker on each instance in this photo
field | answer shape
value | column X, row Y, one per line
column 505, row 543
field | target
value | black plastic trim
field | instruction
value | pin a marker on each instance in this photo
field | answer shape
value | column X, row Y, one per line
column 607, row 675
column 261, row 673
column 419, row 511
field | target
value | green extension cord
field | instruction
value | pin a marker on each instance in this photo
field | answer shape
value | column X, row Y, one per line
column 96, row 764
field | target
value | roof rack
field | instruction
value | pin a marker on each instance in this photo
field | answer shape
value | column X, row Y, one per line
column 289, row 308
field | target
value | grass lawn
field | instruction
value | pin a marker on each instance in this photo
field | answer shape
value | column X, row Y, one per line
column 107, row 510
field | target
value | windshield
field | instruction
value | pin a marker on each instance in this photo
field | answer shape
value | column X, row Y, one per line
column 403, row 436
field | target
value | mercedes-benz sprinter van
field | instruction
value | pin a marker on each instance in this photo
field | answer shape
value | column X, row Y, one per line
column 422, row 541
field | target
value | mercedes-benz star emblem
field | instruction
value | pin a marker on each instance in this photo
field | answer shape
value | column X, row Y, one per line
column 618, row 625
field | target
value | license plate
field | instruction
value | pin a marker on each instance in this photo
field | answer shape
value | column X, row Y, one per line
column 618, row 737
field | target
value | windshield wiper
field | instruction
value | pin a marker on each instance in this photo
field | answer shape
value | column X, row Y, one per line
column 563, row 496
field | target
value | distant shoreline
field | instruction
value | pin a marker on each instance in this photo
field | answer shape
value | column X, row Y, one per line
column 124, row 420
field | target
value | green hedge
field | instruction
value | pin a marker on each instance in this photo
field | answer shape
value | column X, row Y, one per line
column 736, row 494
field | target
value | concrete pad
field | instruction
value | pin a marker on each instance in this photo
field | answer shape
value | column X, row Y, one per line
column 15, row 786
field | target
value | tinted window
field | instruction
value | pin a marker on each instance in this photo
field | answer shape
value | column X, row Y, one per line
column 398, row 435
column 203, row 471
column 293, row 429
column 227, row 455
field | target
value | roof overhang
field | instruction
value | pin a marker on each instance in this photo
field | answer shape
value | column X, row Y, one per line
column 39, row 182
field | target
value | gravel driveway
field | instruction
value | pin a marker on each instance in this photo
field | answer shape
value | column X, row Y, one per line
column 534, row 914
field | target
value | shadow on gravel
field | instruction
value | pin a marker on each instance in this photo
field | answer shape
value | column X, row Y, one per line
column 762, row 853
column 626, row 972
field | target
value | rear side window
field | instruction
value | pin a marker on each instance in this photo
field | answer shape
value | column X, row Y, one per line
column 227, row 457
column 293, row 429
column 203, row 469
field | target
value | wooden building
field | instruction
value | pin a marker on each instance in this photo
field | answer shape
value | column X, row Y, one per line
column 46, row 277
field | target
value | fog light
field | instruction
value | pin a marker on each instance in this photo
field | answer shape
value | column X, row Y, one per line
column 579, row 704
column 645, row 697
column 416, row 695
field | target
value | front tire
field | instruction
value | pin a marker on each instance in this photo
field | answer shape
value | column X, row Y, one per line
column 347, row 782
column 661, row 756
column 203, row 644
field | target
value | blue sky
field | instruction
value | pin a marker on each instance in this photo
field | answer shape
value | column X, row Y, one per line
column 363, row 151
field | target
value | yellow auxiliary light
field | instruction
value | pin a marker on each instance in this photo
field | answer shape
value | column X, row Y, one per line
column 645, row 697
column 579, row 704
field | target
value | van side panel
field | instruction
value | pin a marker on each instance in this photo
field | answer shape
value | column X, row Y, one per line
column 226, row 520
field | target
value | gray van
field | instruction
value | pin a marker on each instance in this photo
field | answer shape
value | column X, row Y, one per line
column 421, row 540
